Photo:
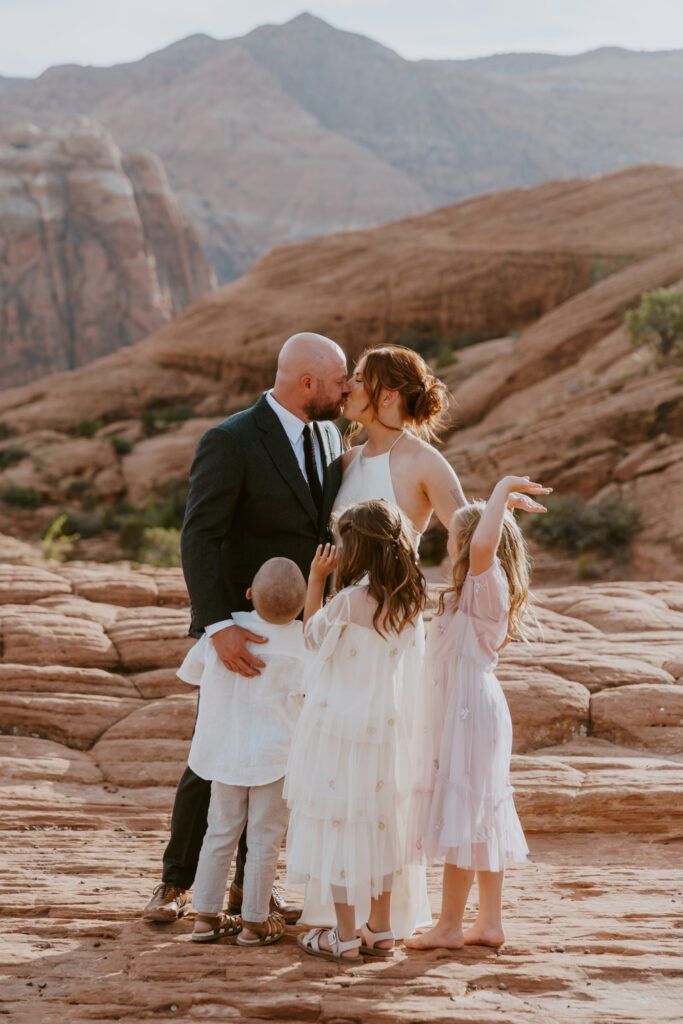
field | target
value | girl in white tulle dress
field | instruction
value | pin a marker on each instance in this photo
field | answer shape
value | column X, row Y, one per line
column 349, row 776
column 462, row 807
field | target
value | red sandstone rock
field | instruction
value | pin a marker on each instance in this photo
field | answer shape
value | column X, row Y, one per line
column 21, row 584
column 43, row 679
column 650, row 717
column 111, row 583
column 25, row 759
column 39, row 636
column 544, row 708
column 75, row 719
column 99, row 250
column 152, row 638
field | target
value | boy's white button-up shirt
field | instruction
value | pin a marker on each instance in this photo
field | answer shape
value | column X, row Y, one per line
column 244, row 725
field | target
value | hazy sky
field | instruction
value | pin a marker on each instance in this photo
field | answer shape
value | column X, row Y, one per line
column 35, row 34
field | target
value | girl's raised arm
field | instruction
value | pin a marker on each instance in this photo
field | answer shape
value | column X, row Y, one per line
column 486, row 537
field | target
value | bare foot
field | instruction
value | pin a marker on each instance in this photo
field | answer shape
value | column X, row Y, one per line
column 438, row 937
column 206, row 924
column 479, row 936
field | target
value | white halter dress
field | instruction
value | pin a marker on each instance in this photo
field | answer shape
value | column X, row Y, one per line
column 364, row 479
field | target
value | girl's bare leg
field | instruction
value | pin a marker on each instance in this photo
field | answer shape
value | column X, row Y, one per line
column 487, row 930
column 380, row 918
column 346, row 928
column 447, row 934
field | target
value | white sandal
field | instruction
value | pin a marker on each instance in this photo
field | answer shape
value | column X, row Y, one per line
column 310, row 943
column 370, row 940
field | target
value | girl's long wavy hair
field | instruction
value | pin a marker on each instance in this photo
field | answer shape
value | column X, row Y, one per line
column 512, row 555
column 376, row 540
column 424, row 397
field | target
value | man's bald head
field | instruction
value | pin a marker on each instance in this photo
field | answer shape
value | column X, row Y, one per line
column 311, row 376
column 279, row 590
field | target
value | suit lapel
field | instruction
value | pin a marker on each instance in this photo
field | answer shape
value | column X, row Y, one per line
column 331, row 471
column 278, row 447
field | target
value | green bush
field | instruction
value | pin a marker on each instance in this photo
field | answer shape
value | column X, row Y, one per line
column 11, row 455
column 86, row 428
column 658, row 321
column 605, row 527
column 161, row 547
column 164, row 513
column 121, row 445
column 85, row 524
column 439, row 347
column 56, row 544
column 7, row 431
column 22, row 497
column 76, row 487
column 156, row 418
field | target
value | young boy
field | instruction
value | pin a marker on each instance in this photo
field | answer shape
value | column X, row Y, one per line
column 241, row 742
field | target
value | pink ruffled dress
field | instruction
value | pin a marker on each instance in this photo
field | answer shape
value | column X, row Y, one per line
column 462, row 806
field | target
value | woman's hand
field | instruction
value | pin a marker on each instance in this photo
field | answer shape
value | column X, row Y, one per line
column 324, row 562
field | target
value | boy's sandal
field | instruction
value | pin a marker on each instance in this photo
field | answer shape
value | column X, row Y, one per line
column 310, row 943
column 267, row 932
column 227, row 925
column 370, row 939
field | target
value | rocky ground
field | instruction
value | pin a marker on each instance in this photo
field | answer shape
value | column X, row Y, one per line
column 95, row 729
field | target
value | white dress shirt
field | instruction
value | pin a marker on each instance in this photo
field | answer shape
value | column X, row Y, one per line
column 244, row 726
column 294, row 429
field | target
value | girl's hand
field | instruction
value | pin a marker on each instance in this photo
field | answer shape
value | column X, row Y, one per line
column 324, row 562
column 514, row 484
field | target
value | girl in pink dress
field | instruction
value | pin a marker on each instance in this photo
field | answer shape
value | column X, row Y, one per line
column 462, row 807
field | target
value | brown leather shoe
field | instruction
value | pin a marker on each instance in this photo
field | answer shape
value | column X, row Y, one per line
column 168, row 903
column 290, row 913
column 235, row 899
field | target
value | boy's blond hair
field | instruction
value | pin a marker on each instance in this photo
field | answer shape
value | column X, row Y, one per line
column 278, row 591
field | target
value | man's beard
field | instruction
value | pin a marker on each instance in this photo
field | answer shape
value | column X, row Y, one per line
column 323, row 408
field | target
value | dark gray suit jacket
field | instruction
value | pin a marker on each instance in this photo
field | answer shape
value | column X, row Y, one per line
column 249, row 502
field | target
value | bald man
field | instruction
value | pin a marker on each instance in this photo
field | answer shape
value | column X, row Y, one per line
column 262, row 485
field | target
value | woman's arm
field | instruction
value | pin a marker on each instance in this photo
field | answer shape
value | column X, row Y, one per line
column 441, row 486
column 324, row 562
column 486, row 538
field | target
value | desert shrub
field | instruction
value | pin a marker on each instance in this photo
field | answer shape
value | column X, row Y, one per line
column 658, row 322
column 121, row 445
column 439, row 347
column 433, row 546
column 76, row 487
column 56, row 544
column 10, row 455
column 22, row 497
column 155, row 418
column 7, row 431
column 160, row 547
column 86, row 428
column 87, row 523
column 576, row 526
column 164, row 513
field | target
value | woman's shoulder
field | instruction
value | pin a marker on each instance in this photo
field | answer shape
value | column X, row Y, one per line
column 350, row 455
column 413, row 447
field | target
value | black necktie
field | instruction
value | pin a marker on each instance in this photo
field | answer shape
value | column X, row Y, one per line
column 312, row 469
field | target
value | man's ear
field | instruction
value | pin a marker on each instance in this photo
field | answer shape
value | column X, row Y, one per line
column 248, row 594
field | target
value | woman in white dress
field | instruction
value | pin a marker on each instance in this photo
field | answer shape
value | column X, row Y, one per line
column 401, row 405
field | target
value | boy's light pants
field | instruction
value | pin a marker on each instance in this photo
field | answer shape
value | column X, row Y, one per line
column 228, row 811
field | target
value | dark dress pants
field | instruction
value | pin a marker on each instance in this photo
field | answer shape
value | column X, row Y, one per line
column 188, row 825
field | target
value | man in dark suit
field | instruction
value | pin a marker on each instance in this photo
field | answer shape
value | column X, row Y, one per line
column 262, row 484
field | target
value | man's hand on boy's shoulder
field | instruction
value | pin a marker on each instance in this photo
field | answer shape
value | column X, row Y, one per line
column 231, row 648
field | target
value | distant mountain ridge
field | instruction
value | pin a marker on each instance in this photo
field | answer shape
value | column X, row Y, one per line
column 302, row 129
